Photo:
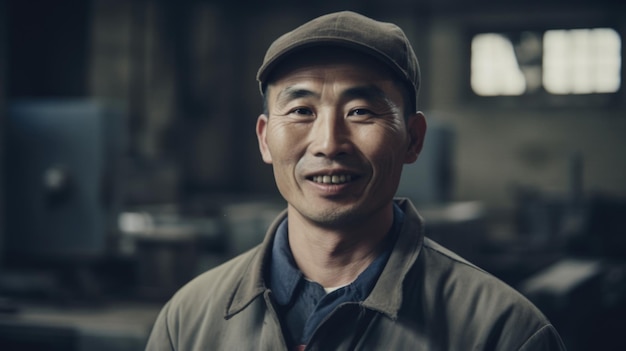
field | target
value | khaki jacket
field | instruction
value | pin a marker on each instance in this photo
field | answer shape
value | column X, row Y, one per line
column 427, row 298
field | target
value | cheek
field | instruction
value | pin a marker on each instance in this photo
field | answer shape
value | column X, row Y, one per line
column 286, row 154
column 384, row 146
column 284, row 147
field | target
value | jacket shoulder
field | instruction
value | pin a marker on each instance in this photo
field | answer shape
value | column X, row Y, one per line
column 216, row 283
column 194, row 318
column 466, row 295
column 458, row 277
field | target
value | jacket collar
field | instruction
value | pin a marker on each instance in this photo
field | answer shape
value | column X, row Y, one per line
column 252, row 282
column 386, row 297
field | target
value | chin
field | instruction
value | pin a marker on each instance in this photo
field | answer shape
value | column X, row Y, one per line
column 335, row 217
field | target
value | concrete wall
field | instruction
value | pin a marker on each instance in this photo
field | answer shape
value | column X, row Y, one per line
column 499, row 146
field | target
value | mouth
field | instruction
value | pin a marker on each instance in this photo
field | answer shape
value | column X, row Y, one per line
column 333, row 179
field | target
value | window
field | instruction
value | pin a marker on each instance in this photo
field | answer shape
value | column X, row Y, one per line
column 559, row 62
column 495, row 70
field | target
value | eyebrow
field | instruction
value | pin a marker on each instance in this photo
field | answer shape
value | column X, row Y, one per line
column 292, row 93
column 370, row 93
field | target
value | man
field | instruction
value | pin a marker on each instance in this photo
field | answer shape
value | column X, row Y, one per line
column 346, row 267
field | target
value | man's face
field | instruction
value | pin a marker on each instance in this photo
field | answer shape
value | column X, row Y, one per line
column 337, row 137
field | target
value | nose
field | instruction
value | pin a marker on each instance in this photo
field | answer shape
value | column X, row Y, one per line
column 330, row 136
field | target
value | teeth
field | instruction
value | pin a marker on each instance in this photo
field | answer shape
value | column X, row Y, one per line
column 334, row 179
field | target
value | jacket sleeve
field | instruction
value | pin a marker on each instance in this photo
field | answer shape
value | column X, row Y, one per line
column 160, row 338
column 545, row 339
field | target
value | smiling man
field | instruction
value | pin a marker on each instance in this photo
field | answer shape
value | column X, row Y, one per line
column 346, row 266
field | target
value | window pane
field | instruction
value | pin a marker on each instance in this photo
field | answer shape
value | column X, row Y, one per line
column 581, row 61
column 494, row 67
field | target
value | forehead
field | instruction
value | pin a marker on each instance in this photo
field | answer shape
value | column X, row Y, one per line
column 338, row 64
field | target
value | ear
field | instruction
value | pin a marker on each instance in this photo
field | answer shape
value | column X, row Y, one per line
column 416, row 129
column 261, row 134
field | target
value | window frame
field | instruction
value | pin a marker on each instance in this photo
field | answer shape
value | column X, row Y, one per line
column 542, row 98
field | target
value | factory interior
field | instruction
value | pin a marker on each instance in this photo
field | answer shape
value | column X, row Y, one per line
column 129, row 162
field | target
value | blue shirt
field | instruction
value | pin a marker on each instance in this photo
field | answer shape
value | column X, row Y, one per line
column 303, row 304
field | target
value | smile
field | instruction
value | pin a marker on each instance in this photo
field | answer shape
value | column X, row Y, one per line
column 332, row 179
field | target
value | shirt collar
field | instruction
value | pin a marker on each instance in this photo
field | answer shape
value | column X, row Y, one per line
column 284, row 274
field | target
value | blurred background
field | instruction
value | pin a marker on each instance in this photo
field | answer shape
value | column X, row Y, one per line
column 129, row 162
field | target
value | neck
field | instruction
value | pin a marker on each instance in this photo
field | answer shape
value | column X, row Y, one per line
column 335, row 257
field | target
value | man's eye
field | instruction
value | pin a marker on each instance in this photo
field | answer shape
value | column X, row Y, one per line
column 360, row 112
column 302, row 111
